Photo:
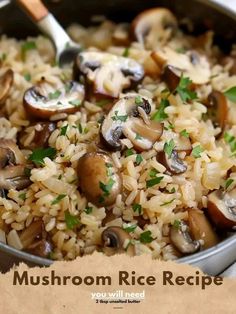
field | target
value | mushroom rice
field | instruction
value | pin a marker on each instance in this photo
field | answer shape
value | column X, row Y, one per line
column 131, row 149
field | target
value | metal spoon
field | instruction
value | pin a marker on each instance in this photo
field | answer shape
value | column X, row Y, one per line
column 66, row 48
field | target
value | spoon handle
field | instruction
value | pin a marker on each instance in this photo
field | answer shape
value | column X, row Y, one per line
column 34, row 8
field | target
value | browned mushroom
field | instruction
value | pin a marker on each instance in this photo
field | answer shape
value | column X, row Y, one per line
column 43, row 101
column 42, row 248
column 116, row 240
column 107, row 73
column 128, row 117
column 190, row 64
column 6, row 83
column 154, row 27
column 99, row 179
column 217, row 109
column 171, row 77
column 15, row 156
column 173, row 163
column 201, row 229
column 42, row 132
column 7, row 157
column 221, row 208
column 14, row 177
column 181, row 239
column 33, row 231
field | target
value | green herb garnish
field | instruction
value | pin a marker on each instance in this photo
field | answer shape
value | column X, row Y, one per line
column 228, row 182
column 130, row 229
column 39, row 154
column 168, row 147
column 27, row 77
column 167, row 203
column 146, row 237
column 126, row 52
column 121, row 118
column 88, row 210
column 231, row 140
column 160, row 114
column 153, row 173
column 129, row 152
column 138, row 137
column 58, row 199
column 184, row 133
column 54, row 95
column 197, row 151
column 106, row 188
column 138, row 100
column 103, row 102
column 71, row 221
column 29, row 45
column 22, row 196
column 75, row 102
column 138, row 159
column 183, row 89
column 64, row 130
column 177, row 224
column 231, row 94
column 153, row 182
column 137, row 208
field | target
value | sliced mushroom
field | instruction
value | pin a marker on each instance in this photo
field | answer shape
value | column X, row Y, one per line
column 99, row 179
column 32, row 232
column 14, row 177
column 43, row 101
column 201, row 229
column 41, row 248
column 114, row 241
column 129, row 118
column 42, row 132
column 12, row 152
column 182, row 240
column 217, row 109
column 221, row 208
column 154, row 27
column 109, row 74
column 173, row 163
column 191, row 64
column 6, row 83
column 7, row 157
column 171, row 77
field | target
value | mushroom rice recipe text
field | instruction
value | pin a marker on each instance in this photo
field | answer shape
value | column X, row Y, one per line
column 166, row 278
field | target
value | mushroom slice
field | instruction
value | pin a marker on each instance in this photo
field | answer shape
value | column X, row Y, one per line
column 16, row 156
column 201, row 229
column 142, row 135
column 14, row 177
column 43, row 101
column 182, row 240
column 42, row 132
column 191, row 64
column 114, row 241
column 41, row 248
column 6, row 157
column 33, row 231
column 109, row 74
column 173, row 164
column 6, row 83
column 171, row 77
column 154, row 27
column 217, row 108
column 99, row 179
column 129, row 117
column 222, row 208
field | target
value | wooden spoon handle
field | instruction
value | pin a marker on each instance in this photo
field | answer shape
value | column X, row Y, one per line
column 34, row 8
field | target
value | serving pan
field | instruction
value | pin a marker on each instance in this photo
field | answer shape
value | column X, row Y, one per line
column 204, row 14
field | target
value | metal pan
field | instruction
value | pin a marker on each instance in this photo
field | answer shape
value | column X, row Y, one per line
column 203, row 13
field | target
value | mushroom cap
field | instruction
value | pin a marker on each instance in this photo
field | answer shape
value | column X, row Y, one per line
column 153, row 27
column 109, row 74
column 43, row 101
column 173, row 164
column 6, row 83
column 99, row 179
column 9, row 145
column 221, row 208
column 191, row 64
column 13, row 177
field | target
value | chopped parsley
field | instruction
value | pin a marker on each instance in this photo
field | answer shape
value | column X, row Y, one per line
column 88, row 210
column 168, row 147
column 126, row 52
column 231, row 94
column 138, row 137
column 197, row 151
column 138, row 100
column 167, row 203
column 58, row 199
column 64, row 130
column 39, row 154
column 106, row 188
column 119, row 118
column 160, row 114
column 75, row 102
column 150, row 183
column 80, row 128
column 184, row 133
column 22, row 196
column 27, row 77
column 129, row 152
column 153, row 173
column 71, row 221
column 54, row 95
column 29, row 45
column 146, row 237
column 183, row 89
column 177, row 224
column 130, row 229
column 228, row 182
column 138, row 159
column 137, row 208
column 231, row 140
column 103, row 102
column 173, row 190
column 109, row 170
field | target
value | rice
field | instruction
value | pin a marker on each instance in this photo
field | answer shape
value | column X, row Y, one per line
column 53, row 194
